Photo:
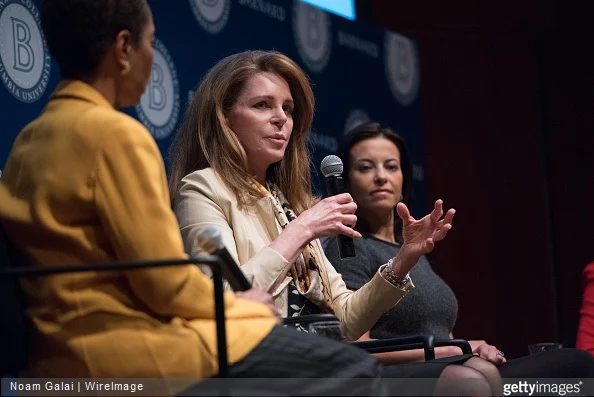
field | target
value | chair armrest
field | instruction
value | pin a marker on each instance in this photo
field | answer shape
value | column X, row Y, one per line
column 461, row 343
column 33, row 271
column 422, row 341
column 412, row 342
column 309, row 318
column 427, row 342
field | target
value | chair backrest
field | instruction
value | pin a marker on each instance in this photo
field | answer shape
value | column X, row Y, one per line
column 14, row 331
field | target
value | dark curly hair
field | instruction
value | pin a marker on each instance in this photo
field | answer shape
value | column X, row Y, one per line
column 371, row 130
column 79, row 32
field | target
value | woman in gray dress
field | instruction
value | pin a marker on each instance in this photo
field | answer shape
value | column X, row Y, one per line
column 378, row 175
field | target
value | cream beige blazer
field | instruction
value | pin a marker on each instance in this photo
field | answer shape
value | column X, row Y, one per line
column 203, row 200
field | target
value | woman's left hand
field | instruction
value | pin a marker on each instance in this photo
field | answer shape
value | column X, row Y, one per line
column 487, row 352
column 421, row 235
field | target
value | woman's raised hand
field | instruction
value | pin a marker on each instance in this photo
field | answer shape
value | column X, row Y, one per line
column 421, row 235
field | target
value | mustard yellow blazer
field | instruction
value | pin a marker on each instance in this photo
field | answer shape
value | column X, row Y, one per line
column 86, row 183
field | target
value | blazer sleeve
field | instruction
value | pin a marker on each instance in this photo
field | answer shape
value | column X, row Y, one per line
column 133, row 206
column 360, row 310
column 202, row 200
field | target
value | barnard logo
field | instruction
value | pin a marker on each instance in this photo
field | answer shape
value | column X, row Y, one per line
column 24, row 60
column 159, row 105
column 212, row 15
column 272, row 10
column 355, row 118
column 311, row 27
column 401, row 68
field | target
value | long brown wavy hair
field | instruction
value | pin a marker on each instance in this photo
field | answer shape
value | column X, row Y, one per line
column 205, row 138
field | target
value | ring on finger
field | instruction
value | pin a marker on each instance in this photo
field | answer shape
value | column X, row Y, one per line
column 500, row 353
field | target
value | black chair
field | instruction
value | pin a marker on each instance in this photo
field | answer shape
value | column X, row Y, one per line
column 427, row 342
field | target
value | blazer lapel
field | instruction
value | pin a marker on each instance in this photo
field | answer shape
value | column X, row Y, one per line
column 266, row 214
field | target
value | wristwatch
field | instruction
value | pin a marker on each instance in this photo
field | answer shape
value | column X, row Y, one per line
column 397, row 281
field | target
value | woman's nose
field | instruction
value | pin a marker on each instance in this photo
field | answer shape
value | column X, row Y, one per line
column 279, row 117
column 380, row 175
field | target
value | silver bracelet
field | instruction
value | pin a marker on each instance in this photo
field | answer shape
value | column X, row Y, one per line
column 397, row 281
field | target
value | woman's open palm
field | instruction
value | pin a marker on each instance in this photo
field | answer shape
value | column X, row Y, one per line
column 421, row 235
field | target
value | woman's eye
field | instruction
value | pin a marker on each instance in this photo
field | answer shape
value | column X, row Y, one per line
column 288, row 109
column 261, row 105
column 363, row 168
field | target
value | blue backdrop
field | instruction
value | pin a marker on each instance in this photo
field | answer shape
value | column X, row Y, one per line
column 358, row 72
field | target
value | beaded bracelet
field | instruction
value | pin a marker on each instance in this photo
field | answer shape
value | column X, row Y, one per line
column 397, row 281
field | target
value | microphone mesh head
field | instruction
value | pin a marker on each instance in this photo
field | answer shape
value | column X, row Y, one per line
column 209, row 239
column 331, row 166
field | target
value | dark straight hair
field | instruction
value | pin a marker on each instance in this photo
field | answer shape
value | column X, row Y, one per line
column 79, row 32
column 372, row 130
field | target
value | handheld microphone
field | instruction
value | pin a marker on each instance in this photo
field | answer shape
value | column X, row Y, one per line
column 331, row 168
column 210, row 240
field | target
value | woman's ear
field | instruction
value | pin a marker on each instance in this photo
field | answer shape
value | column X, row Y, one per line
column 122, row 48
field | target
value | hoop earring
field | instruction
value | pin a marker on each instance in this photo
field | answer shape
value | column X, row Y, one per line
column 125, row 66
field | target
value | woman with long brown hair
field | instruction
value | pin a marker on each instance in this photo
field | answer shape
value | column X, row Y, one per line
column 240, row 163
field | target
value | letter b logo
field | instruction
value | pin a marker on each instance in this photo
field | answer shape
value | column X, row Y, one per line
column 311, row 27
column 403, row 70
column 24, row 57
column 401, row 67
column 24, row 60
column 159, row 105
column 156, row 90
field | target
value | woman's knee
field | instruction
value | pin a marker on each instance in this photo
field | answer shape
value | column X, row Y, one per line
column 489, row 370
column 460, row 380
